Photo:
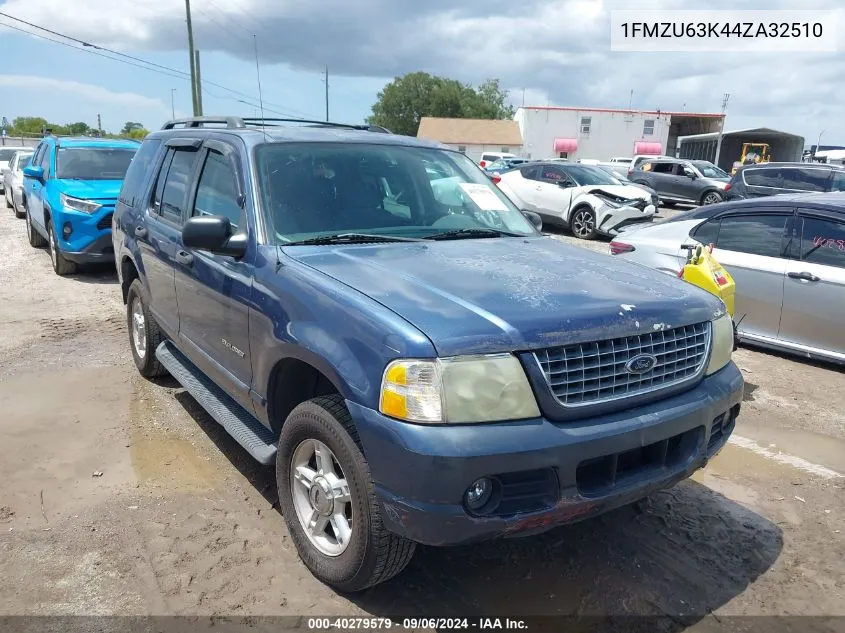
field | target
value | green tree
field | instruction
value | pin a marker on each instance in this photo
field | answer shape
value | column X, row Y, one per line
column 406, row 99
column 78, row 129
column 138, row 133
column 131, row 125
column 29, row 124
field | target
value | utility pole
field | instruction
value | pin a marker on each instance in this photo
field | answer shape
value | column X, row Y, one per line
column 199, row 83
column 721, row 128
column 99, row 126
column 172, row 103
column 192, row 58
column 819, row 143
column 327, row 91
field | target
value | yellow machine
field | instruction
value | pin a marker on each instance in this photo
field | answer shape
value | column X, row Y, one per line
column 702, row 270
column 753, row 153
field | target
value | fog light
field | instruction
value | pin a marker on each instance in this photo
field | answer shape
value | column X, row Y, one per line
column 479, row 493
column 67, row 229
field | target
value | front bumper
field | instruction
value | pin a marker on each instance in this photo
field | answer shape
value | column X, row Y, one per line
column 100, row 250
column 90, row 235
column 611, row 220
column 422, row 472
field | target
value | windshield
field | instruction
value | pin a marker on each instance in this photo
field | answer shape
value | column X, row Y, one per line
column 93, row 163
column 709, row 170
column 586, row 175
column 6, row 154
column 23, row 160
column 320, row 189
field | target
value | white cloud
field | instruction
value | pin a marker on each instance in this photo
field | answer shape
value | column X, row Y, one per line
column 559, row 50
column 88, row 92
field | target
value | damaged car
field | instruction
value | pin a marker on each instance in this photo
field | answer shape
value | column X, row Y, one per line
column 582, row 198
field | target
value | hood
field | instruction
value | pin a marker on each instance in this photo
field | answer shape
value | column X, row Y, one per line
column 511, row 294
column 624, row 191
column 91, row 189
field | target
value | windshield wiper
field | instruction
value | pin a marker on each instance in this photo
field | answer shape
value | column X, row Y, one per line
column 351, row 238
column 459, row 234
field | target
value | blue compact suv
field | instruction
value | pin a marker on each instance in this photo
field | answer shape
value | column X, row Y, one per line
column 370, row 314
column 70, row 188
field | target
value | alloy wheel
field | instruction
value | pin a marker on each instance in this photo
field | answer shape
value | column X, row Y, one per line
column 582, row 224
column 139, row 330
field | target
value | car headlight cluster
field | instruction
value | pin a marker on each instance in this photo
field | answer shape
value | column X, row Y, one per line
column 78, row 204
column 462, row 389
column 721, row 342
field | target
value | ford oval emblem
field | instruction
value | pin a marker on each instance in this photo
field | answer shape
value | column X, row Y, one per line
column 641, row 364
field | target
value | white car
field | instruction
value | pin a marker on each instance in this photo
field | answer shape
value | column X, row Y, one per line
column 492, row 157
column 583, row 198
column 622, row 160
column 13, row 181
column 6, row 154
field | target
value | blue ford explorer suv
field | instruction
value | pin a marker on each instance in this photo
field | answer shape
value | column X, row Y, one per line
column 70, row 188
column 368, row 313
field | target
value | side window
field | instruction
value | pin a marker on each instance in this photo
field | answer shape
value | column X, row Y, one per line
column 529, row 172
column 706, row 232
column 136, row 175
column 217, row 193
column 551, row 173
column 837, row 182
column 45, row 160
column 172, row 188
column 762, row 177
column 823, row 242
column 758, row 234
column 663, row 168
column 36, row 157
column 805, row 179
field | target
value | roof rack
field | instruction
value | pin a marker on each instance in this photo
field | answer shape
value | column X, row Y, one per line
column 239, row 123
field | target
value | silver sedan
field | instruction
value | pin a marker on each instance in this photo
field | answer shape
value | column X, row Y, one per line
column 13, row 181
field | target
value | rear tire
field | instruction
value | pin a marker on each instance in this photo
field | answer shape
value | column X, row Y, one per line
column 61, row 265
column 711, row 197
column 367, row 554
column 36, row 240
column 583, row 223
column 144, row 333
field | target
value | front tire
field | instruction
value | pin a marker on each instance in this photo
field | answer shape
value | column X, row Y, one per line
column 36, row 240
column 61, row 265
column 711, row 197
column 583, row 223
column 144, row 333
column 328, row 500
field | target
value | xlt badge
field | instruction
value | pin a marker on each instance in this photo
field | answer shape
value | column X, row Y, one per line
column 232, row 347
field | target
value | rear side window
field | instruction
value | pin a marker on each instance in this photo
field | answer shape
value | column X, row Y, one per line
column 823, row 242
column 758, row 234
column 172, row 188
column 217, row 193
column 136, row 175
column 837, row 183
column 662, row 168
column 805, row 179
column 529, row 172
column 763, row 177
column 706, row 232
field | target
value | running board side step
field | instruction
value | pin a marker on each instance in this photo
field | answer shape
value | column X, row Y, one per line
column 254, row 437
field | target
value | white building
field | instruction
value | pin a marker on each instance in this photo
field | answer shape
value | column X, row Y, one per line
column 473, row 137
column 602, row 133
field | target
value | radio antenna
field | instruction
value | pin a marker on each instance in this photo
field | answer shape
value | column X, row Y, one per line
column 258, row 75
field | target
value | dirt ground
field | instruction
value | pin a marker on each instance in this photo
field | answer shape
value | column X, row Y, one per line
column 181, row 521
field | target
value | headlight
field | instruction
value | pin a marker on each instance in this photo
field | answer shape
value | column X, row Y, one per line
column 77, row 204
column 722, row 343
column 457, row 390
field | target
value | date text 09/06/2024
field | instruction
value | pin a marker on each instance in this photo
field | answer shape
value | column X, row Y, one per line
column 465, row 624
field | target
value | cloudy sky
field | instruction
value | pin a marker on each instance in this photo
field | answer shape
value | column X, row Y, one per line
column 555, row 52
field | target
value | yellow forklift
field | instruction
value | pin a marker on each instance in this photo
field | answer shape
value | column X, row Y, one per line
column 753, row 153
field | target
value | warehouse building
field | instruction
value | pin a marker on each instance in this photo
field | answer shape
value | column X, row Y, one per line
column 784, row 147
column 602, row 133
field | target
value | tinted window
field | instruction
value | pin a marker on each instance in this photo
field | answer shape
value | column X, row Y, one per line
column 529, row 172
column 663, row 168
column 217, row 193
column 762, row 177
column 586, row 175
column 137, row 172
column 805, row 179
column 707, row 232
column 93, row 163
column 752, row 234
column 823, row 242
column 44, row 160
column 176, row 185
column 838, row 182
column 552, row 172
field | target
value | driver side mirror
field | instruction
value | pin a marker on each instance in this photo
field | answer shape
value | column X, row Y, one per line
column 564, row 184
column 690, row 174
column 32, row 171
column 534, row 218
column 213, row 233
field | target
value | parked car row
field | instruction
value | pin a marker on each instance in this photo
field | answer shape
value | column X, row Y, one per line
column 12, row 170
column 371, row 314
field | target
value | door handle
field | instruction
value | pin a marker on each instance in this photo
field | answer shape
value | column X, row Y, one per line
column 804, row 276
column 140, row 231
column 185, row 258
column 538, row 188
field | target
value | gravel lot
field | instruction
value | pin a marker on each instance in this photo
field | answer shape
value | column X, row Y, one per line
column 181, row 521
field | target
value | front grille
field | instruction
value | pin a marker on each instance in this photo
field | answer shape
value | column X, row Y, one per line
column 591, row 373
column 105, row 222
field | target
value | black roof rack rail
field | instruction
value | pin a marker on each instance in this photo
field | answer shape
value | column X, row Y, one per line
column 259, row 121
column 231, row 122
